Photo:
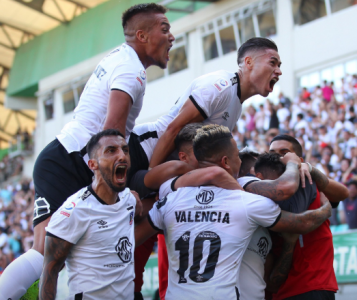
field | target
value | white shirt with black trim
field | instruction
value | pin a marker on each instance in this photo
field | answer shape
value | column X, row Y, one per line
column 246, row 180
column 215, row 95
column 207, row 229
column 100, row 264
column 251, row 280
column 121, row 70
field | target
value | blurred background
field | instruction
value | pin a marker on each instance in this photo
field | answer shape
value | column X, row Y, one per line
column 49, row 48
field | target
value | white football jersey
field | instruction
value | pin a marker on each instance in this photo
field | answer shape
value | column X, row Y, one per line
column 207, row 229
column 215, row 95
column 100, row 264
column 121, row 70
column 251, row 279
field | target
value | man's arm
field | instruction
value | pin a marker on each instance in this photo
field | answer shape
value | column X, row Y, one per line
column 276, row 273
column 187, row 114
column 143, row 231
column 208, row 176
column 333, row 190
column 161, row 173
column 118, row 110
column 280, row 189
column 56, row 252
column 304, row 222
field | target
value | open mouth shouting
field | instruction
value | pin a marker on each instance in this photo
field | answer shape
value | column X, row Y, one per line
column 272, row 82
column 120, row 173
column 167, row 55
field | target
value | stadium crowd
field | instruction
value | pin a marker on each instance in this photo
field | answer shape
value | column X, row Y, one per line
column 16, row 211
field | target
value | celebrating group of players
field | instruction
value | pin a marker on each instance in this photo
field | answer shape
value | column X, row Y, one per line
column 215, row 204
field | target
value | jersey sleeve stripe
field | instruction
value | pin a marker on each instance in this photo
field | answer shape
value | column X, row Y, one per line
column 198, row 107
column 132, row 99
column 152, row 224
column 54, row 236
column 173, row 183
column 276, row 221
column 248, row 183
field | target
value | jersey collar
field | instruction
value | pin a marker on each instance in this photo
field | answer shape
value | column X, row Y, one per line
column 97, row 197
column 238, row 86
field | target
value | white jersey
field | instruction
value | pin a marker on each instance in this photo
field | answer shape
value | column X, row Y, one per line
column 100, row 264
column 215, row 95
column 251, row 279
column 207, row 229
column 121, row 70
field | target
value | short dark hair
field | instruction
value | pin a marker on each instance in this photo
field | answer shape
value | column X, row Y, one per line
column 186, row 134
column 142, row 8
column 295, row 143
column 300, row 115
column 210, row 141
column 93, row 143
column 253, row 44
column 248, row 159
column 354, row 182
column 269, row 164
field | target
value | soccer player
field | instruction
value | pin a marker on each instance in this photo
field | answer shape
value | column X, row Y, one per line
column 112, row 98
column 312, row 275
column 214, row 98
column 212, row 226
column 93, row 231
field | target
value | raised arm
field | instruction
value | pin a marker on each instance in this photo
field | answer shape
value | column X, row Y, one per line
column 304, row 222
column 333, row 190
column 276, row 272
column 187, row 114
column 56, row 252
column 279, row 189
column 119, row 107
column 208, row 176
column 161, row 173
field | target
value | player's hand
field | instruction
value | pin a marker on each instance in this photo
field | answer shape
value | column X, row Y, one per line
column 139, row 205
column 304, row 171
column 291, row 157
column 290, row 238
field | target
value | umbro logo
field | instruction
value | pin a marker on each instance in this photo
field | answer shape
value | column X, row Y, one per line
column 102, row 224
column 225, row 115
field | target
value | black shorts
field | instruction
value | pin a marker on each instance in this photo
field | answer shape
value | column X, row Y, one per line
column 314, row 295
column 57, row 175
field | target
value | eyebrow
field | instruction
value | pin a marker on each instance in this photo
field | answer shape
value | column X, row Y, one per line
column 165, row 23
column 277, row 60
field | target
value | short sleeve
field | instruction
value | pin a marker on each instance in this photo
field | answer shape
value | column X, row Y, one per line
column 129, row 79
column 156, row 214
column 69, row 222
column 207, row 96
column 262, row 211
column 165, row 188
column 246, row 180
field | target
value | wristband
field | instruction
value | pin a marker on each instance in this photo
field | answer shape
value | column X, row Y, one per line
column 310, row 167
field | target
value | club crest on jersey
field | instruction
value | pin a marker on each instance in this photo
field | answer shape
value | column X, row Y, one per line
column 205, row 197
column 221, row 84
column 263, row 245
column 123, row 249
column 131, row 218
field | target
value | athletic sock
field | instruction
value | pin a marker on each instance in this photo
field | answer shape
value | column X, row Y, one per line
column 20, row 275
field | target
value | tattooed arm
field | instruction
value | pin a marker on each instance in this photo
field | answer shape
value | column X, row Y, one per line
column 56, row 251
column 279, row 189
column 276, row 273
column 304, row 222
column 333, row 190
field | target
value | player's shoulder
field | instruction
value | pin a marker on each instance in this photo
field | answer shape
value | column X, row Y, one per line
column 217, row 81
column 166, row 188
column 246, row 180
column 127, row 197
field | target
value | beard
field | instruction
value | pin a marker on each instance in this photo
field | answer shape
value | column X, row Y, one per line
column 109, row 181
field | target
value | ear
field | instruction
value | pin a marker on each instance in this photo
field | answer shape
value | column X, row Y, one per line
column 259, row 175
column 224, row 163
column 248, row 61
column 183, row 156
column 93, row 164
column 142, row 36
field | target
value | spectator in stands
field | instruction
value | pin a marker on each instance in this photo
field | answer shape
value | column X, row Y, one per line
column 350, row 205
column 327, row 91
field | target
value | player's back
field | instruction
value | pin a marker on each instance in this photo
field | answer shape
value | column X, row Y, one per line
column 207, row 230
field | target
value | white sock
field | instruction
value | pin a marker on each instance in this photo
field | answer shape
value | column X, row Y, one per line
column 20, row 275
